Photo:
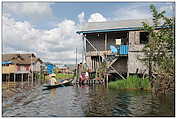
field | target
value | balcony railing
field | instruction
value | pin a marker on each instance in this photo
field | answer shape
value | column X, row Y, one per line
column 95, row 53
column 123, row 50
column 120, row 50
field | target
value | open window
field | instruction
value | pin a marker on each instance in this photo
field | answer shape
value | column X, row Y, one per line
column 144, row 37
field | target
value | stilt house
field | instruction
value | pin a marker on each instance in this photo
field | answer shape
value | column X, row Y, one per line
column 119, row 43
column 20, row 67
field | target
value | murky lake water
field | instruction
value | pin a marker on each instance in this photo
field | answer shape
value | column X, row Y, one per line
column 90, row 101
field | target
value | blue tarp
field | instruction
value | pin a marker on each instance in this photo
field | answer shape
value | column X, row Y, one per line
column 113, row 49
column 7, row 62
column 50, row 68
column 123, row 49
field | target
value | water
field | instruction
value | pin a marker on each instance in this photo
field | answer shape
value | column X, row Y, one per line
column 90, row 101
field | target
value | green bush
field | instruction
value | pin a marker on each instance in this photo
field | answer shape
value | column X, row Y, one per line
column 132, row 82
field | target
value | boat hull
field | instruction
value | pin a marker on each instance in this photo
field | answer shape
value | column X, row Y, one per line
column 58, row 85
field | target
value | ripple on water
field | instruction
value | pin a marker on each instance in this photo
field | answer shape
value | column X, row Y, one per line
column 89, row 101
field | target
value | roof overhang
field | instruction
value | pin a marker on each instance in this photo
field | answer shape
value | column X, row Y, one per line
column 118, row 29
column 7, row 62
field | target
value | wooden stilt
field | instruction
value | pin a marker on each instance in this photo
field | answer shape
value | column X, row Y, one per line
column 107, row 78
column 127, row 74
column 28, row 78
column 35, row 79
column 8, row 78
column 5, row 78
column 14, row 78
column 22, row 79
column 32, row 79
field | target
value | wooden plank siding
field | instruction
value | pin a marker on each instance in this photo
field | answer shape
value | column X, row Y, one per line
column 11, row 68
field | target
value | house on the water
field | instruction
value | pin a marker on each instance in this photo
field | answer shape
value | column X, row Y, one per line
column 20, row 67
column 119, row 43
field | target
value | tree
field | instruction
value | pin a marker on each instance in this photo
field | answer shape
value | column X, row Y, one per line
column 160, row 50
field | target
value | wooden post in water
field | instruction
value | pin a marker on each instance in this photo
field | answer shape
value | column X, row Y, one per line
column 107, row 78
column 9, row 78
column 14, row 78
column 28, row 79
column 22, row 79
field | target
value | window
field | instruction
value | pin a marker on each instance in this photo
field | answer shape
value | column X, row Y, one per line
column 118, row 41
column 144, row 37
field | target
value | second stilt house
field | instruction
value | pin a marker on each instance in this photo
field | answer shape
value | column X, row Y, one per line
column 20, row 67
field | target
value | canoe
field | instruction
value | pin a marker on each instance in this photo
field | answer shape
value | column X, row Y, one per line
column 61, row 84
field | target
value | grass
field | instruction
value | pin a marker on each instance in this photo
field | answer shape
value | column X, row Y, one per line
column 60, row 76
column 132, row 82
column 64, row 76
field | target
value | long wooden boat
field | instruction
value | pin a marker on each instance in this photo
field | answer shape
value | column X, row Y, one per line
column 61, row 84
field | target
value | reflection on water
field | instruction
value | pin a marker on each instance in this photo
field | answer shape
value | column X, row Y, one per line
column 53, row 92
column 91, row 101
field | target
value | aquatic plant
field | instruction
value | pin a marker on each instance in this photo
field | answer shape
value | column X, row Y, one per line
column 132, row 82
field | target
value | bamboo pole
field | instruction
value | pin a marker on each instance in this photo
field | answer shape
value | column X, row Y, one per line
column 105, row 41
column 76, row 68
column 83, row 49
column 31, row 70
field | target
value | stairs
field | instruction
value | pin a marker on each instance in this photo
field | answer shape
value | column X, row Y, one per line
column 110, row 60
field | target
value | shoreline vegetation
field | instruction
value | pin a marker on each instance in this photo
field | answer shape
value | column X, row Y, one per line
column 61, row 76
column 131, row 83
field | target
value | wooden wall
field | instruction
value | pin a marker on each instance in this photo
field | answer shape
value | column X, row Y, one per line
column 135, row 53
column 9, row 69
column 129, row 64
column 98, row 41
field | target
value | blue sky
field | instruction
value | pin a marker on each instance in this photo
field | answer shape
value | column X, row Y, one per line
column 46, row 26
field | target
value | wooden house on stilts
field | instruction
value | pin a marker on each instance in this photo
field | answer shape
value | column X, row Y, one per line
column 119, row 43
column 20, row 67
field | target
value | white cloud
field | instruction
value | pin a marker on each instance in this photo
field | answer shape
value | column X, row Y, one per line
column 33, row 11
column 55, row 45
column 140, row 11
column 81, row 17
column 131, row 12
column 97, row 17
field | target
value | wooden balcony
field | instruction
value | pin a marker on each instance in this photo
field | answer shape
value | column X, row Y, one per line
column 121, row 50
column 95, row 53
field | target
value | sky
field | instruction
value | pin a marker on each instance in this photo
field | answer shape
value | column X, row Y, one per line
column 48, row 29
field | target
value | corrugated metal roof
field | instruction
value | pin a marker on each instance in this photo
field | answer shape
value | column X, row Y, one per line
column 113, row 25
